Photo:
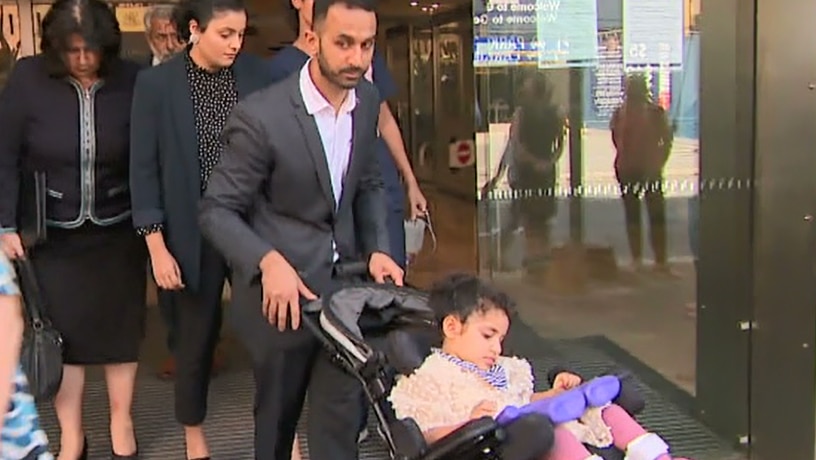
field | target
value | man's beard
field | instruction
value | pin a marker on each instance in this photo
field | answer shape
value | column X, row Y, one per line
column 338, row 78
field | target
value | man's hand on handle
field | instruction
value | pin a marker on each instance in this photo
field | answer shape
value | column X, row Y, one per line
column 381, row 267
column 282, row 289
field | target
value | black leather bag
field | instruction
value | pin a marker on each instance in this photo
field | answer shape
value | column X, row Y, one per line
column 31, row 209
column 42, row 352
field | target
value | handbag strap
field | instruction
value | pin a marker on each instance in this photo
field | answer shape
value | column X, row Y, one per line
column 32, row 295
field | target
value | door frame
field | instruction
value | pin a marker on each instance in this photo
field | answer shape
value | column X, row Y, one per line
column 725, row 264
column 782, row 409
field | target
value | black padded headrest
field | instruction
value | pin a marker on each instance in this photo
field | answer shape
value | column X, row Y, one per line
column 407, row 347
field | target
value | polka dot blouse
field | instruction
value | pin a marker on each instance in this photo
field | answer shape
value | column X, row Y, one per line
column 214, row 95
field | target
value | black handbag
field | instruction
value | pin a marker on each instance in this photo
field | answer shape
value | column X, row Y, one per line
column 31, row 209
column 42, row 351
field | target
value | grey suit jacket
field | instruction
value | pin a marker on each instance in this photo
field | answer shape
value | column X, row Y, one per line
column 272, row 191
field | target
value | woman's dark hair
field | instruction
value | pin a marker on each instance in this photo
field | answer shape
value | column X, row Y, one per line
column 202, row 11
column 93, row 20
column 462, row 295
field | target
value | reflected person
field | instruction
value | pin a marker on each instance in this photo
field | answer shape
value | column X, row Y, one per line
column 643, row 140
column 534, row 146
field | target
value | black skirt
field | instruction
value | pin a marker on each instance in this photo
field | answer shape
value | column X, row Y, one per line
column 93, row 280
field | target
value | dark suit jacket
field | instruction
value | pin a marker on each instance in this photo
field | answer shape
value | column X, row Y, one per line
column 41, row 129
column 165, row 173
column 272, row 191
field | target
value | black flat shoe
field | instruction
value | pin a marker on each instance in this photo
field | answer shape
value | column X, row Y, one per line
column 201, row 458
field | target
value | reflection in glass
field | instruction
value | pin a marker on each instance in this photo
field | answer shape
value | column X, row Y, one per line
column 422, row 102
column 450, row 73
column 587, row 146
column 398, row 58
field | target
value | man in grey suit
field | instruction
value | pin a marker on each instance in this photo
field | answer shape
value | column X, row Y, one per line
column 297, row 191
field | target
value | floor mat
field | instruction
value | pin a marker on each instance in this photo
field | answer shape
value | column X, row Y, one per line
column 230, row 427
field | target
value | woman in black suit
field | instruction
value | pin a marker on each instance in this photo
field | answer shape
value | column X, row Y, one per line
column 179, row 110
column 66, row 113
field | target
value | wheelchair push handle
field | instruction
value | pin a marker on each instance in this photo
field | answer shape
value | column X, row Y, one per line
column 352, row 269
column 344, row 271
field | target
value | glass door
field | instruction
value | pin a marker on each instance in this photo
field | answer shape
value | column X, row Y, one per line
column 594, row 220
column 422, row 99
column 398, row 56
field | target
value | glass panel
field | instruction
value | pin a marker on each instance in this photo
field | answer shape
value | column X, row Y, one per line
column 588, row 157
column 450, row 73
column 422, row 97
column 398, row 56
column 10, row 38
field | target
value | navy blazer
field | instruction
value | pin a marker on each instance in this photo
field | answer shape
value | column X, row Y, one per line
column 164, row 166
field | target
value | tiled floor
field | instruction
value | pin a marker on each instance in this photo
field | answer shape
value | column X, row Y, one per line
column 229, row 424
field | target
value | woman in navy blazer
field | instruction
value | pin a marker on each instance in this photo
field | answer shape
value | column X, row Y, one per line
column 179, row 110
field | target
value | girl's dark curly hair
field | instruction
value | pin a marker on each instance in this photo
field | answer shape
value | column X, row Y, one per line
column 462, row 295
column 93, row 20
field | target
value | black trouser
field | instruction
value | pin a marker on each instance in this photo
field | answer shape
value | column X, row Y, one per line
column 650, row 187
column 198, row 329
column 169, row 313
column 334, row 405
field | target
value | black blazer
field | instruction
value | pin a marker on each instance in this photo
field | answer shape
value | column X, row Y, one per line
column 78, row 138
column 165, row 173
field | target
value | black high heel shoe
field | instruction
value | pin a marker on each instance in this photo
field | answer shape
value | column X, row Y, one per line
column 133, row 456
column 84, row 454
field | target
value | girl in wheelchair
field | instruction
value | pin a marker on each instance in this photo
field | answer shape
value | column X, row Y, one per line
column 468, row 378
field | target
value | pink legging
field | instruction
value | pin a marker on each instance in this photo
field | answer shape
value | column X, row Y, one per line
column 624, row 430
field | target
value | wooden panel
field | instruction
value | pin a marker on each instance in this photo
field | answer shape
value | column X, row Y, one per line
column 10, row 39
column 10, row 25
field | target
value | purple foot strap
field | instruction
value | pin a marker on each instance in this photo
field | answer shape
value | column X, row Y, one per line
column 601, row 390
column 564, row 407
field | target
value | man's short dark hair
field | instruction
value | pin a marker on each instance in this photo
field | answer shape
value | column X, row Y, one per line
column 321, row 7
column 93, row 20
column 462, row 295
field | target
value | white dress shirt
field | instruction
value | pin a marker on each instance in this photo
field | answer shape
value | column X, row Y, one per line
column 335, row 129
